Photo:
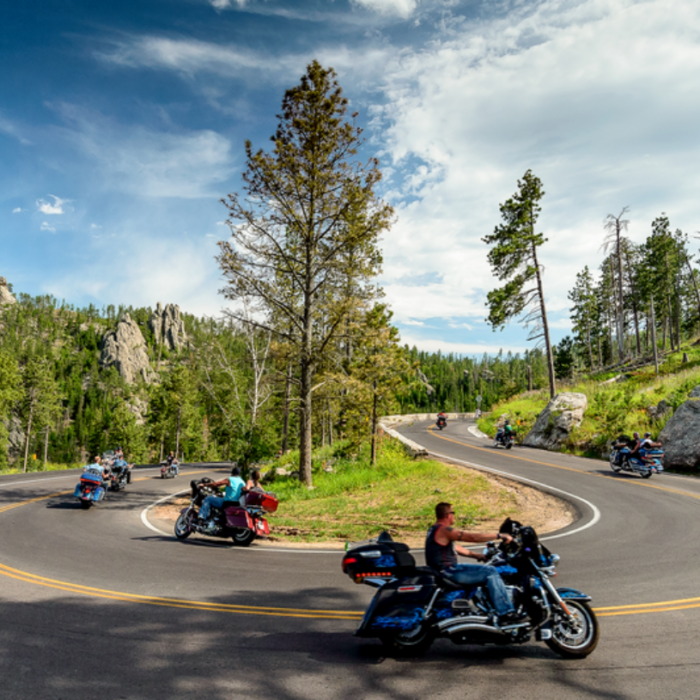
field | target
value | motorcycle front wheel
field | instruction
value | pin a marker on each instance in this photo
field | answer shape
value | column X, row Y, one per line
column 243, row 538
column 182, row 527
column 577, row 638
column 414, row 642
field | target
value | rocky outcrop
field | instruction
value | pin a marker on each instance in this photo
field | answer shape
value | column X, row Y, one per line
column 125, row 349
column 168, row 327
column 680, row 435
column 554, row 425
column 6, row 297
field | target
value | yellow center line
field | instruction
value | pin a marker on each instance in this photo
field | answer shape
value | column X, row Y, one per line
column 232, row 608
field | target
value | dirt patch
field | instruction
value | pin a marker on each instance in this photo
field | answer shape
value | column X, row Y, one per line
column 544, row 512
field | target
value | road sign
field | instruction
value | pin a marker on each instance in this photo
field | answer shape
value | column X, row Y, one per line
column 478, row 399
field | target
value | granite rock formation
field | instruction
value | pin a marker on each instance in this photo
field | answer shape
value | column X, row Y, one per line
column 6, row 297
column 680, row 435
column 168, row 326
column 554, row 425
column 125, row 349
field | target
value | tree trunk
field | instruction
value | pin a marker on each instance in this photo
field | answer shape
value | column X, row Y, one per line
column 618, row 302
column 46, row 447
column 545, row 327
column 305, row 445
column 330, row 423
column 287, row 403
column 177, row 434
column 653, row 337
column 374, row 424
column 29, row 431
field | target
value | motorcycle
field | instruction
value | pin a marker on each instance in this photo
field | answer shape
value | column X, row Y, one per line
column 645, row 463
column 120, row 476
column 241, row 523
column 414, row 605
column 505, row 439
column 90, row 489
column 169, row 471
column 441, row 422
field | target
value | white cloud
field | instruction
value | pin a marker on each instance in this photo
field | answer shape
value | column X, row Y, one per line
column 17, row 210
column 592, row 95
column 95, row 226
column 51, row 208
column 11, row 129
column 435, row 344
column 150, row 163
column 411, row 322
column 225, row 4
column 45, row 227
column 401, row 8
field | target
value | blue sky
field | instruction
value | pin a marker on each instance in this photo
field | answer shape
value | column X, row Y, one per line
column 122, row 125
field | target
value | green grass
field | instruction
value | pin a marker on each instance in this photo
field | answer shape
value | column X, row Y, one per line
column 399, row 494
column 36, row 465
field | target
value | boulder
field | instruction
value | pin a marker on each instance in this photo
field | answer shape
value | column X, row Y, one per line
column 680, row 434
column 168, row 326
column 125, row 349
column 554, row 425
column 660, row 410
column 6, row 297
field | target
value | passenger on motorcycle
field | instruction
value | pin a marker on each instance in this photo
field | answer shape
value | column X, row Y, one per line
column 504, row 431
column 441, row 555
column 97, row 468
column 254, row 483
column 172, row 462
column 235, row 488
column 648, row 443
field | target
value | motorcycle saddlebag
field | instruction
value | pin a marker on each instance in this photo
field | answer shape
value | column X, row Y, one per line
column 239, row 517
column 398, row 605
column 379, row 560
column 262, row 499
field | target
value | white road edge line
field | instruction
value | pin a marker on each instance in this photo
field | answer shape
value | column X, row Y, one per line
column 144, row 513
column 478, row 433
column 596, row 513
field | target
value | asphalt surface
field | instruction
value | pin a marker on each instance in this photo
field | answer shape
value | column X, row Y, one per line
column 96, row 604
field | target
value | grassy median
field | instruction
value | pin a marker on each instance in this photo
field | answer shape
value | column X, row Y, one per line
column 357, row 501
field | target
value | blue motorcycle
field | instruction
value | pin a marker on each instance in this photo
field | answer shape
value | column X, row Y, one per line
column 90, row 489
column 645, row 463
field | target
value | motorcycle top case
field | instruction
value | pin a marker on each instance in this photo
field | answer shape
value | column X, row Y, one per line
column 379, row 560
column 91, row 478
column 262, row 499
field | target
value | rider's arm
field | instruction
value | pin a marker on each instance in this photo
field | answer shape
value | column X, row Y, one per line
column 468, row 553
column 445, row 535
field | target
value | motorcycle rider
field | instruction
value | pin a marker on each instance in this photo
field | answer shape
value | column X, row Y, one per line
column 504, row 432
column 441, row 555
column 235, row 488
column 172, row 462
column 648, row 443
column 442, row 418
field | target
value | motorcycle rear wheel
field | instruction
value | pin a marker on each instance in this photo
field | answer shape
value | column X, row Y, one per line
column 411, row 643
column 85, row 504
column 182, row 527
column 509, row 445
column 646, row 474
column 243, row 538
column 575, row 642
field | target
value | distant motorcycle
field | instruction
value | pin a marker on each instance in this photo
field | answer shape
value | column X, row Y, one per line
column 169, row 471
column 441, row 422
column 90, row 488
column 504, row 439
column 241, row 523
column 645, row 463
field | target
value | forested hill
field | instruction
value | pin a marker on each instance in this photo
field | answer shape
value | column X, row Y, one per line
column 77, row 381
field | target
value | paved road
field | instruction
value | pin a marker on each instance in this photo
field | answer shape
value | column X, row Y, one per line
column 95, row 604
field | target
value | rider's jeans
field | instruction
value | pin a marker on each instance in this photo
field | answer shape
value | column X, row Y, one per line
column 474, row 574
column 210, row 501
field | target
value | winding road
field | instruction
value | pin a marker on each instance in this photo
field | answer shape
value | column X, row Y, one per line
column 105, row 603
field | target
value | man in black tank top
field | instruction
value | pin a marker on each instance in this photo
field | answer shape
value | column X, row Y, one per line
column 441, row 555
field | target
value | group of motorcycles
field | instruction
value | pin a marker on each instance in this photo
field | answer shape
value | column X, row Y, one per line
column 414, row 605
column 112, row 474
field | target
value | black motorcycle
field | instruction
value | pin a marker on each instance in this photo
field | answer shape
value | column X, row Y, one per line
column 441, row 422
column 414, row 604
column 120, row 476
column 504, row 439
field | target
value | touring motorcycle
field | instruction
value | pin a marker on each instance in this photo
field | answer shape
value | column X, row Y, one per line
column 414, row 604
column 646, row 463
column 505, row 439
column 241, row 523
column 441, row 421
column 120, row 476
column 169, row 471
column 90, row 488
